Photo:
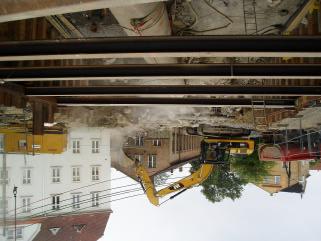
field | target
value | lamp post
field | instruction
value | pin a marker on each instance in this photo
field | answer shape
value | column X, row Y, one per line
column 15, row 190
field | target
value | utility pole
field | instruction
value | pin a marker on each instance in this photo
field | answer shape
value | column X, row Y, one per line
column 15, row 189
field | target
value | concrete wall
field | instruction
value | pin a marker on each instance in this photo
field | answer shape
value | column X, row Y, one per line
column 21, row 9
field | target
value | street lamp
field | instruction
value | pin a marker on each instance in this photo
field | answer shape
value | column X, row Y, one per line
column 15, row 190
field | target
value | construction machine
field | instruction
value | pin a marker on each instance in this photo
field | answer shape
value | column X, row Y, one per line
column 213, row 152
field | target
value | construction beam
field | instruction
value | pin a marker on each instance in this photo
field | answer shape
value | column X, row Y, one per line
column 163, row 46
column 22, row 9
column 196, row 102
column 155, row 72
column 133, row 90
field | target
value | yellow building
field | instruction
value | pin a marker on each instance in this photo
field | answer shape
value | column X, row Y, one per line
column 53, row 143
column 286, row 177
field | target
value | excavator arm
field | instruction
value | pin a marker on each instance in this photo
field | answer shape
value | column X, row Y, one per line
column 213, row 152
column 194, row 179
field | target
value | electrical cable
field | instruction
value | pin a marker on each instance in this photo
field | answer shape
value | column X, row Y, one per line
column 274, row 26
column 218, row 11
column 85, row 201
column 138, row 23
column 135, row 184
column 78, row 188
column 21, row 207
column 188, row 29
column 110, row 201
column 299, row 137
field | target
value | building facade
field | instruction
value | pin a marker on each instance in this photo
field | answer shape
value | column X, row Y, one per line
column 161, row 151
column 49, row 185
column 286, row 177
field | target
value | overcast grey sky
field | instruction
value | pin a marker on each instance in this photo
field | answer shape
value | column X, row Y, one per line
column 190, row 217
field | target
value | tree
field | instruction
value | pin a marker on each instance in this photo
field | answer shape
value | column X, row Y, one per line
column 250, row 167
column 161, row 178
column 221, row 183
column 315, row 162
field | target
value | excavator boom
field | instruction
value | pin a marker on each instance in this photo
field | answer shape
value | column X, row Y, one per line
column 153, row 196
column 194, row 179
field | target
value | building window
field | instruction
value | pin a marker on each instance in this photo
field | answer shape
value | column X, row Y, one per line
column 55, row 171
column 26, row 176
column 95, row 173
column 55, row 202
column 178, row 142
column 76, row 174
column 76, row 146
column 272, row 180
column 95, row 146
column 10, row 233
column 79, row 227
column 266, row 179
column 76, row 201
column 4, row 176
column 26, row 201
column 95, row 199
column 157, row 142
column 139, row 141
column 173, row 142
column 22, row 144
column 139, row 158
column 151, row 161
column 277, row 179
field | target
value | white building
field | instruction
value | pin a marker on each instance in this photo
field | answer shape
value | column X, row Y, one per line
column 76, row 181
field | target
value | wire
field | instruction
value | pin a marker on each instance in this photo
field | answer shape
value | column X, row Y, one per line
column 110, row 201
column 139, row 23
column 105, row 190
column 119, row 199
column 96, row 183
column 218, row 11
column 189, row 29
column 274, row 27
column 64, row 200
column 84, row 202
column 299, row 137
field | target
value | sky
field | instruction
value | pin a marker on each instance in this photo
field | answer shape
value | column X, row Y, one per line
column 189, row 217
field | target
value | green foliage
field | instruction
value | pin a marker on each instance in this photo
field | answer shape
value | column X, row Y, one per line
column 314, row 163
column 250, row 167
column 221, row 184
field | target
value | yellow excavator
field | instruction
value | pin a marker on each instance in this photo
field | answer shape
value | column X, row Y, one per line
column 213, row 152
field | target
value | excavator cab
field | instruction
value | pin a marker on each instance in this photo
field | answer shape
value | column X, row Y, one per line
column 215, row 153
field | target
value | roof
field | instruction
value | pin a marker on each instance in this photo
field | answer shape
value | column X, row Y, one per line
column 79, row 227
column 296, row 188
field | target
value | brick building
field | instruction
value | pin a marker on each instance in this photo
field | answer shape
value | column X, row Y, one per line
column 161, row 151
